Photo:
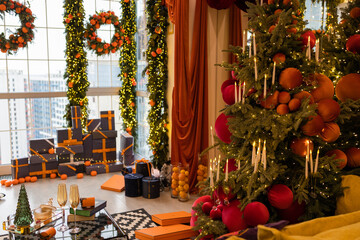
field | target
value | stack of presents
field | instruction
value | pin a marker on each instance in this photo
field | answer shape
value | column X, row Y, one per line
column 96, row 148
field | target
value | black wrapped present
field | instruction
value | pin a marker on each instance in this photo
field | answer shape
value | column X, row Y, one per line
column 104, row 150
column 150, row 187
column 104, row 167
column 73, row 149
column 39, row 158
column 127, row 160
column 127, row 144
column 133, row 185
column 93, row 125
column 107, row 120
column 44, row 169
column 41, row 145
column 64, row 158
column 71, row 169
column 76, row 116
column 126, row 170
column 143, row 167
column 88, row 146
column 69, row 136
column 104, row 134
column 19, row 168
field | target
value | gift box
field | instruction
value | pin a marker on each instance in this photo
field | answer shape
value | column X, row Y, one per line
column 171, row 218
column 127, row 144
column 76, row 116
column 133, row 185
column 88, row 146
column 41, row 145
column 64, row 158
column 127, row 160
column 150, row 187
column 69, row 149
column 177, row 231
column 104, row 167
column 39, row 158
column 107, row 120
column 143, row 167
column 69, row 136
column 44, row 169
column 19, row 168
column 104, row 150
column 104, row 134
column 93, row 125
column 71, row 169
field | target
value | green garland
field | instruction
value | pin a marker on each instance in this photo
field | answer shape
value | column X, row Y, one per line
column 76, row 61
column 128, row 64
column 157, row 71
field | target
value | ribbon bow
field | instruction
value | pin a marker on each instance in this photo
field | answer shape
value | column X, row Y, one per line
column 147, row 163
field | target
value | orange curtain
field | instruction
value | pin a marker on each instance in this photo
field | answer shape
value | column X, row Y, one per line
column 189, row 134
column 235, row 31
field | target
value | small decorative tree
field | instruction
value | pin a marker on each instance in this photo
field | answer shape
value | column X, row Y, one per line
column 23, row 216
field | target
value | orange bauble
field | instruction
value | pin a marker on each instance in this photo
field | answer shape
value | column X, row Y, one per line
column 33, row 179
column 87, row 163
column 355, row 12
column 294, row 104
column 353, row 157
column 331, row 132
column 290, row 78
column 63, row 176
column 313, row 126
column 93, row 173
column 284, row 97
column 279, row 58
column 299, row 146
column 282, row 109
column 15, row 182
column 324, row 87
column 21, row 180
column 340, row 156
column 27, row 178
column 348, row 87
column 53, row 175
column 80, row 175
column 271, row 101
column 328, row 109
column 304, row 95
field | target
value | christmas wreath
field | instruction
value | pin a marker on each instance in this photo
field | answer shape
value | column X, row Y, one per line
column 94, row 42
column 24, row 33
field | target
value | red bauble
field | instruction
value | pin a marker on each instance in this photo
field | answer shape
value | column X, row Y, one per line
column 233, row 75
column 229, row 94
column 324, row 87
column 293, row 212
column 219, row 194
column 231, row 165
column 290, row 78
column 348, row 87
column 227, row 83
column 313, row 126
column 280, row 196
column 271, row 101
column 256, row 213
column 232, row 217
column 299, row 146
column 305, row 37
column 222, row 129
column 304, row 95
column 340, row 157
column 202, row 199
column 328, row 109
column 331, row 132
column 220, row 4
column 353, row 44
column 206, row 207
column 215, row 213
column 353, row 157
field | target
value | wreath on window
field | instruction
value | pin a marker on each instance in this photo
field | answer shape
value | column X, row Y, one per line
column 24, row 33
column 94, row 42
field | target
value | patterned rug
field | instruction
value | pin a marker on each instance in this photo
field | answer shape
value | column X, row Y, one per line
column 133, row 220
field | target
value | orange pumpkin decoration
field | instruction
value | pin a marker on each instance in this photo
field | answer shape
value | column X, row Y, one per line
column 340, row 157
column 27, row 179
column 93, row 173
column 353, row 157
column 21, row 180
column 15, row 182
column 63, row 176
column 324, row 89
column 348, row 87
column 51, row 151
column 294, row 104
column 331, row 132
column 284, row 97
column 53, row 175
column 304, row 94
column 87, row 163
column 8, row 183
column 290, row 78
column 79, row 175
column 282, row 109
column 33, row 179
column 313, row 126
column 3, row 181
column 271, row 101
column 299, row 146
column 328, row 109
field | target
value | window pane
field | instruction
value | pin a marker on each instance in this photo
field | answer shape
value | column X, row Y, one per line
column 40, row 113
column 55, row 11
column 143, row 126
column 38, row 9
column 93, row 107
column 58, row 112
column 57, row 70
column 38, row 47
column 3, row 79
column 104, row 33
column 20, row 141
column 115, row 71
column 20, row 54
column 19, row 113
column 40, row 133
column 5, row 153
column 18, row 76
column 105, row 103
column 92, row 73
column 12, row 20
column 57, row 44
column 104, row 73
column 102, row 5
column 89, row 6
column 4, row 120
column 313, row 14
column 39, row 79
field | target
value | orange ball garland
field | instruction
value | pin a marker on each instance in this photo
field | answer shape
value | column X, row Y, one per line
column 299, row 146
column 313, row 126
column 290, row 78
column 353, row 157
column 348, row 87
column 324, row 87
column 331, row 132
column 328, row 109
column 340, row 157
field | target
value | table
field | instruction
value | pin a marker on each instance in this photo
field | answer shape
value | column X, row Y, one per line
column 103, row 227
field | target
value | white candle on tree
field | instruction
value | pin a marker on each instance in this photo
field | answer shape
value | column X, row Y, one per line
column 306, row 166
column 227, row 170
column 244, row 41
column 239, row 164
column 264, row 155
column 309, row 48
column 211, row 177
column 311, row 162
column 218, row 170
column 253, row 155
column 243, row 94
column 316, row 161
column 250, row 49
column 254, row 43
column 317, row 50
column 212, row 136
column 265, row 87
column 235, row 92
column 255, row 69
column 273, row 74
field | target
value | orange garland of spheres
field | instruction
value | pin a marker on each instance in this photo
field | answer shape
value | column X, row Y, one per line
column 313, row 126
column 328, row 109
column 324, row 87
column 331, row 132
column 340, row 156
column 33, row 179
column 299, row 146
column 284, row 97
column 353, row 157
column 290, row 78
column 304, row 95
column 294, row 104
column 279, row 58
column 348, row 87
column 355, row 12
column 282, row 109
column 271, row 101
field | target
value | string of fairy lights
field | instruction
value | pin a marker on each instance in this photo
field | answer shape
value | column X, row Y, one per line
column 76, row 61
column 157, row 71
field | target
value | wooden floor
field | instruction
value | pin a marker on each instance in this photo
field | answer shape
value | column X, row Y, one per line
column 40, row 192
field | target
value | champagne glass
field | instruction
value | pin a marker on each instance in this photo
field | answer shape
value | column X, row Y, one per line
column 62, row 199
column 74, row 202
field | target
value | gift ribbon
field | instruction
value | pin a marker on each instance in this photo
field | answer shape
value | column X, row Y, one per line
column 109, row 116
column 104, row 150
column 44, row 171
column 49, row 142
column 147, row 163
column 86, row 136
column 38, row 154
column 71, row 167
column 125, row 149
column 16, row 166
column 71, row 151
column 70, row 142
column 105, row 164
column 101, row 133
column 76, row 117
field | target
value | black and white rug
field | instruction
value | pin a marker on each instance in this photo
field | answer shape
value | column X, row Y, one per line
column 133, row 220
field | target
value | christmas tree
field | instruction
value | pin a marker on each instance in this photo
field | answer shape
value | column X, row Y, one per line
column 279, row 135
column 23, row 216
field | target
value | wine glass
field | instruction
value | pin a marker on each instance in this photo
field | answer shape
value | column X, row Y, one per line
column 62, row 199
column 74, row 202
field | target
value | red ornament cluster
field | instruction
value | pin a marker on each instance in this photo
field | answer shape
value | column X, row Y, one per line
column 24, row 33
column 94, row 42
